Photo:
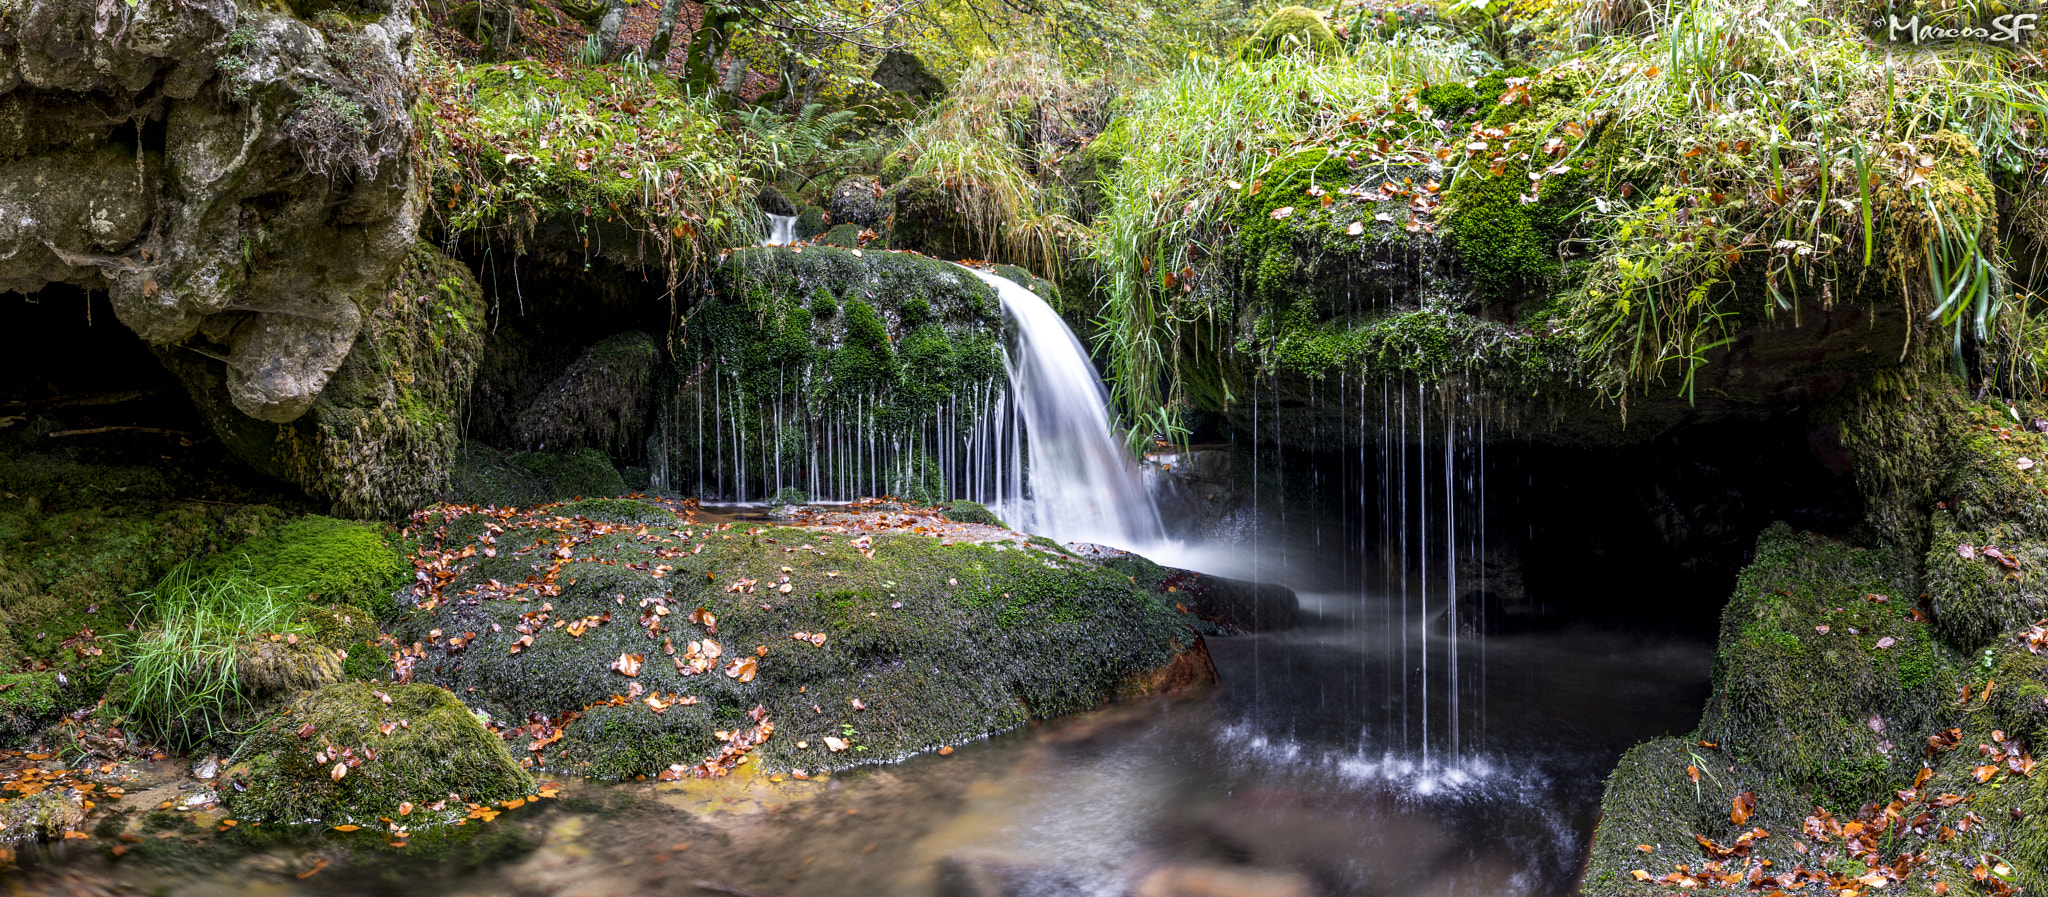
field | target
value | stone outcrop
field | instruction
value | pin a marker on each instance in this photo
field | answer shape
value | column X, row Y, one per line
column 239, row 181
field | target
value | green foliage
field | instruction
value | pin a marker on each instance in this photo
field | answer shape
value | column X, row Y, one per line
column 809, row 146
column 184, row 685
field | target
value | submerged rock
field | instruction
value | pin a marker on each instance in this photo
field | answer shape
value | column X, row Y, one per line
column 619, row 645
column 356, row 753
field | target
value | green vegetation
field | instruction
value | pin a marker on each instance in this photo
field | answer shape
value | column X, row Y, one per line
column 404, row 751
column 185, row 685
column 1293, row 29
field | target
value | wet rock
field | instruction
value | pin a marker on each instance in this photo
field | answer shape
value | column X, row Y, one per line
column 354, row 752
column 989, row 873
column 1196, row 880
column 46, row 816
column 1234, row 605
column 485, row 475
column 857, row 200
column 772, row 202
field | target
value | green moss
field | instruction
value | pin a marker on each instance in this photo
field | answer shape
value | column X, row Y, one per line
column 321, row 559
column 436, row 748
column 602, row 401
column 844, row 236
column 940, row 643
column 27, row 700
column 1292, row 29
column 1818, row 685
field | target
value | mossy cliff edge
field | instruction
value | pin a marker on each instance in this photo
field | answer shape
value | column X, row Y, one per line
column 1895, row 688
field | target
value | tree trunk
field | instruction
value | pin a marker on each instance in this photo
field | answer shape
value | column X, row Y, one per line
column 665, row 33
column 735, row 75
column 707, row 46
column 608, row 28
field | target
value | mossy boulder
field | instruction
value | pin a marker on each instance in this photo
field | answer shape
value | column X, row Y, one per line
column 324, row 560
column 929, row 219
column 857, row 200
column 43, row 816
column 436, row 756
column 1827, row 676
column 810, row 222
column 485, row 475
column 894, row 643
column 602, row 401
column 27, row 701
column 1293, row 29
column 795, row 344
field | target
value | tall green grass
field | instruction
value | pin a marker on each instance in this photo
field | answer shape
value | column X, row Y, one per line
column 183, row 686
column 1194, row 134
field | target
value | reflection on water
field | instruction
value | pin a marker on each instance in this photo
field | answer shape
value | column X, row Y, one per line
column 1294, row 778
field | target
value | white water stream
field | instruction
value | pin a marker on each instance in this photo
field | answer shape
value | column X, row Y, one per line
column 781, row 230
column 1083, row 486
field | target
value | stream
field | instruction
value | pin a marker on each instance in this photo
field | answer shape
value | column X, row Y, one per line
column 1289, row 779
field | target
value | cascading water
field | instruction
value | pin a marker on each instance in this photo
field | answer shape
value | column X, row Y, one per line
column 1036, row 445
column 1083, row 485
column 781, row 230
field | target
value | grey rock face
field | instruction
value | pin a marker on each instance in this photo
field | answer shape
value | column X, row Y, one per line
column 236, row 180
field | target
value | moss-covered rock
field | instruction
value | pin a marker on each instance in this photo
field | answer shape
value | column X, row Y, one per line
column 1293, row 29
column 1827, row 675
column 602, row 401
column 894, row 643
column 485, row 475
column 27, row 701
column 972, row 512
column 793, row 346
column 393, row 745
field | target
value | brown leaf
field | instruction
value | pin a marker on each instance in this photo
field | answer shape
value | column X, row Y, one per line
column 628, row 664
column 1745, row 804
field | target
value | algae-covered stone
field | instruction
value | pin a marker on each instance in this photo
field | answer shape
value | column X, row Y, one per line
column 1825, row 679
column 484, row 475
column 347, row 768
column 44, row 816
column 892, row 643
column 1293, row 29
column 857, row 200
column 602, row 401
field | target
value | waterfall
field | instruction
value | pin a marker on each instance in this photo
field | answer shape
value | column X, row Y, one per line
column 1084, row 486
column 1036, row 446
column 781, row 230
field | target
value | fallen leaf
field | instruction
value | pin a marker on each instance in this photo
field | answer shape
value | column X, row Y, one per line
column 340, row 769
column 628, row 664
column 834, row 744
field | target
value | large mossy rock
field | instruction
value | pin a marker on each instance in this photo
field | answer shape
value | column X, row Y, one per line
column 1827, row 676
column 894, row 643
column 381, row 434
column 436, row 756
column 794, row 344
column 323, row 560
column 602, row 401
column 1870, row 681
column 238, row 181
column 1293, row 29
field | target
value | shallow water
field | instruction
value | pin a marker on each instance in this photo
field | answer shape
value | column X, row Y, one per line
column 1302, row 774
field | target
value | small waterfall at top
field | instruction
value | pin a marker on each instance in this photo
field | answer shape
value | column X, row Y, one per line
column 1083, row 485
column 781, row 230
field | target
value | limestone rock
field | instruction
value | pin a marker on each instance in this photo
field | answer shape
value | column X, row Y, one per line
column 244, row 224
